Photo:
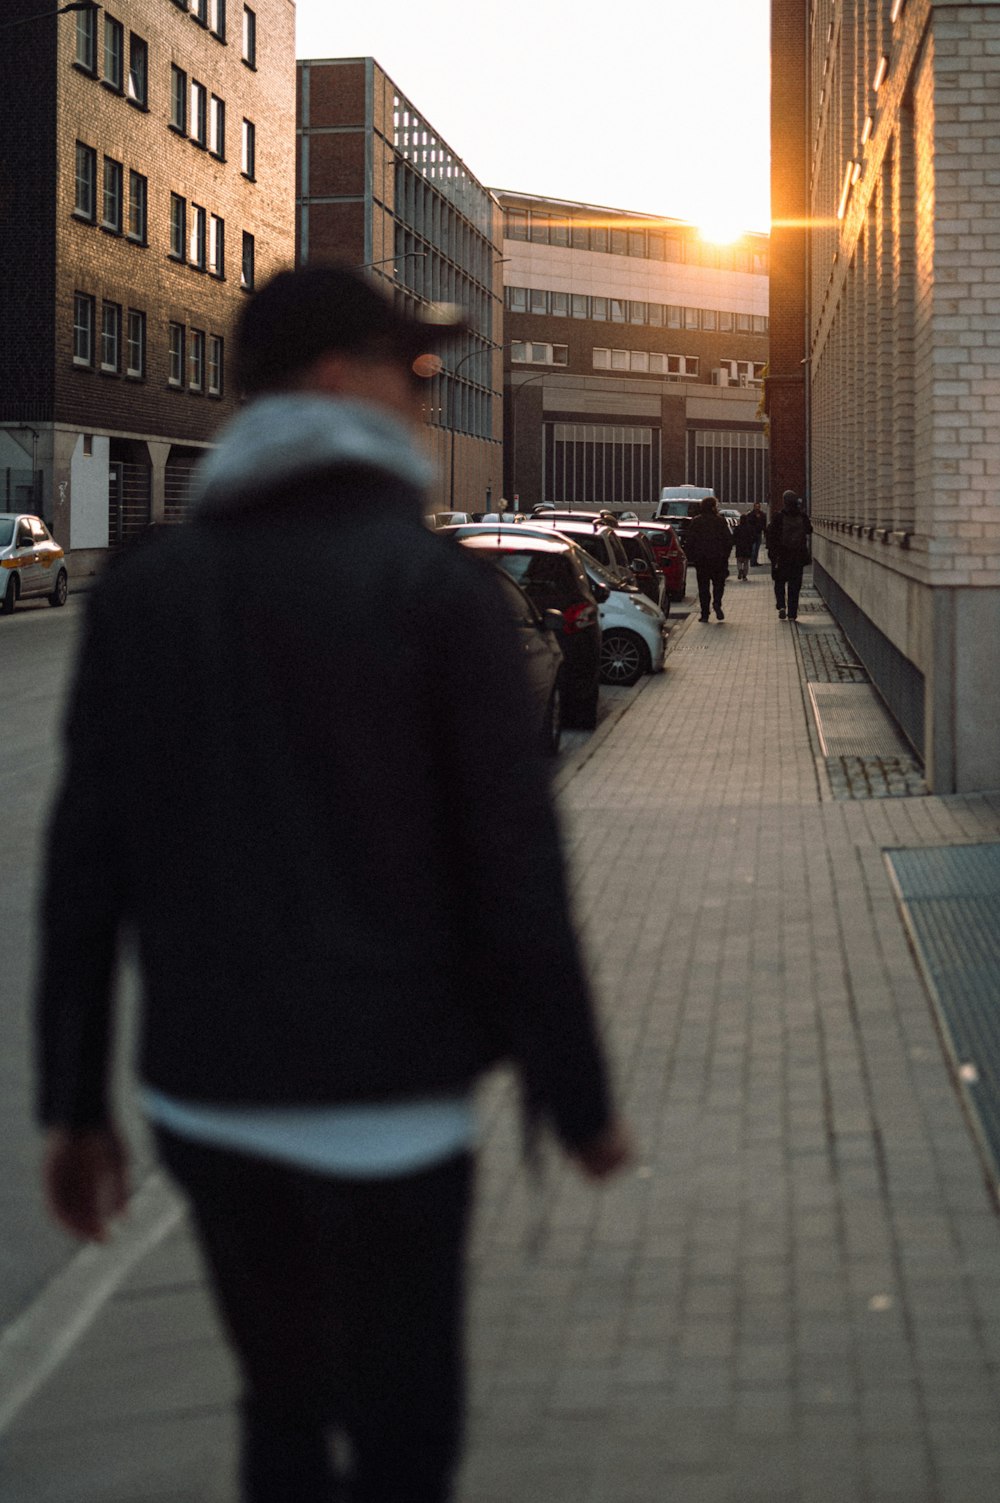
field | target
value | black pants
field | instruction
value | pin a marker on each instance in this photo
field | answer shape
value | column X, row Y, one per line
column 787, row 584
column 711, row 584
column 343, row 1300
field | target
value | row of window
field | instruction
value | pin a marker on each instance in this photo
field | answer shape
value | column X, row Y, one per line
column 194, row 110
column 617, row 310
column 640, row 362
column 117, row 345
column 648, row 244
column 197, row 237
column 211, row 14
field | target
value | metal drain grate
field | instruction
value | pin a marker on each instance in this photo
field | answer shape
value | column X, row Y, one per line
column 853, row 722
column 950, row 898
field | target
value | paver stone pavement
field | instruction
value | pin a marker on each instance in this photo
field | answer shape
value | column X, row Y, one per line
column 793, row 1296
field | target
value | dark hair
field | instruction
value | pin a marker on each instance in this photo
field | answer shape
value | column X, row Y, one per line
column 307, row 312
column 708, row 503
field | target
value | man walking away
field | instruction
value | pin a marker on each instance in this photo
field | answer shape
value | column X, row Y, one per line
column 788, row 547
column 708, row 544
column 743, row 541
column 758, row 521
column 274, row 783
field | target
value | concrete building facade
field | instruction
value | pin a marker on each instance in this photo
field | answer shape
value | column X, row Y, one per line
column 902, row 111
column 635, row 355
column 149, row 145
column 377, row 187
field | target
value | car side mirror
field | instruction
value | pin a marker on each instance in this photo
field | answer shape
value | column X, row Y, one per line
column 640, row 566
column 599, row 591
column 552, row 620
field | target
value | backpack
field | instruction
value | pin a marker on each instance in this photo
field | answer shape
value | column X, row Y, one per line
column 793, row 535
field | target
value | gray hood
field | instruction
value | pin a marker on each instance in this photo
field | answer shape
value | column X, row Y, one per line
column 280, row 438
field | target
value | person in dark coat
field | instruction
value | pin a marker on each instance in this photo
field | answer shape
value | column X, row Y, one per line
column 743, row 541
column 789, row 551
column 282, row 718
column 758, row 521
column 708, row 543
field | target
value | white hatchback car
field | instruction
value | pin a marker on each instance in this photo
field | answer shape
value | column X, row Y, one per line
column 633, row 629
column 31, row 561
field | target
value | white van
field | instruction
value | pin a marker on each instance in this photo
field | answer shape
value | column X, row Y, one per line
column 680, row 501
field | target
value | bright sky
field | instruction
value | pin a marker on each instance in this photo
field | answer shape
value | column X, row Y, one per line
column 660, row 106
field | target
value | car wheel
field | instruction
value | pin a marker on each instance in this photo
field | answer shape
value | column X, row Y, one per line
column 58, row 596
column 552, row 728
column 9, row 596
column 624, row 658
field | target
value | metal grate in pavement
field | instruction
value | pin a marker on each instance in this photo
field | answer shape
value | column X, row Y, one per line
column 853, row 722
column 950, row 897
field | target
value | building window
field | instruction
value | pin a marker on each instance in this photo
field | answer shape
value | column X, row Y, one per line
column 249, row 36
column 114, row 53
column 515, row 225
column 248, row 154
column 196, row 360
column 86, row 182
column 657, row 365
column 517, row 299
column 216, row 246
column 616, row 309
column 138, row 70
column 197, row 245
column 759, row 323
column 639, row 360
column 743, row 323
column 175, row 355
column 637, row 313
column 599, row 237
column 599, row 309
column 138, row 200
column 111, row 218
column 198, row 124
column 215, row 351
column 538, row 301
column 725, row 323
column 178, row 98
column 178, row 221
column 602, row 360
column 111, row 337
column 691, row 320
column 217, row 18
column 86, row 39
column 199, row 9
column 135, row 345
column 709, row 318
column 656, row 314
column 247, row 263
column 534, row 353
column 560, row 304
column 217, row 127
column 83, row 329
column 580, row 305
column 675, row 316
column 619, row 243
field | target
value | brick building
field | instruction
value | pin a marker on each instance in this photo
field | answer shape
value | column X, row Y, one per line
column 149, row 148
column 377, row 187
column 635, row 355
column 901, row 110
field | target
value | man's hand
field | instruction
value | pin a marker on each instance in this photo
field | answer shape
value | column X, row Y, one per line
column 604, row 1155
column 85, row 1176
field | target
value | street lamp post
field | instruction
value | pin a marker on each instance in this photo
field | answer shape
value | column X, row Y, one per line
column 451, row 484
column 43, row 15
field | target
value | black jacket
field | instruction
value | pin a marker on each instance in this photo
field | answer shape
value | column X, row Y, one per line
column 302, row 773
column 744, row 535
column 708, row 541
column 781, row 551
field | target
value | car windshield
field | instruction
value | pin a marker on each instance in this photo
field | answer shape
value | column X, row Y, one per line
column 6, row 531
column 600, row 575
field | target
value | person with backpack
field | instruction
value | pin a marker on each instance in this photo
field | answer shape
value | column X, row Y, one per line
column 788, row 547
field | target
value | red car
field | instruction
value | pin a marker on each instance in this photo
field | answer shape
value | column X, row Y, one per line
column 670, row 558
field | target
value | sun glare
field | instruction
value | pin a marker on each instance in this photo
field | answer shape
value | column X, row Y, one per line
column 721, row 231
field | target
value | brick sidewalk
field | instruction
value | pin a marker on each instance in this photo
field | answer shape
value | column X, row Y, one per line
column 795, row 1295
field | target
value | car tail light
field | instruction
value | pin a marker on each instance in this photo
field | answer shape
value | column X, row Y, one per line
column 578, row 617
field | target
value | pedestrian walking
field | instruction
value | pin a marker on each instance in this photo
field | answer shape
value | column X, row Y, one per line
column 789, row 551
column 743, row 541
column 708, row 543
column 758, row 520
column 274, row 782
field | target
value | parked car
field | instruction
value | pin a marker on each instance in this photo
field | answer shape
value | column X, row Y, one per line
column 448, row 518
column 542, row 659
column 669, row 554
column 684, row 498
column 31, row 562
column 599, row 540
column 643, row 563
column 732, row 516
column 550, row 570
column 633, row 629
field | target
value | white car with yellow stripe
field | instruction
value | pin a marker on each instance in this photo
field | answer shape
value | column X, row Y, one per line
column 31, row 561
